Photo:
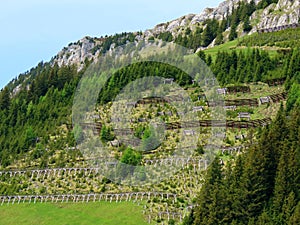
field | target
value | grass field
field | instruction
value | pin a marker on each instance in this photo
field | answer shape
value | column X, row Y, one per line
column 233, row 46
column 228, row 46
column 68, row 213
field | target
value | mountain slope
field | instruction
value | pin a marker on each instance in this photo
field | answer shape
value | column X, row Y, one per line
column 41, row 156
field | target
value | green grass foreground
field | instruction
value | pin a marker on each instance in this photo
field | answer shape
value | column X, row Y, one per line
column 68, row 213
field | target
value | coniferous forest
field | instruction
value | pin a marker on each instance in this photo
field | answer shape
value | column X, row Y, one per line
column 259, row 187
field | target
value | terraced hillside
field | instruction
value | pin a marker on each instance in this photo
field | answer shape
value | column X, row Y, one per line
column 174, row 197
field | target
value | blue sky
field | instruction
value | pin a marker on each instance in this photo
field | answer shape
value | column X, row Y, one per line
column 35, row 30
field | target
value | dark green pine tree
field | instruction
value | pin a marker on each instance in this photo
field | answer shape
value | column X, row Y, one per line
column 284, row 200
column 220, row 37
column 233, row 33
column 209, row 60
column 289, row 206
column 202, row 56
column 295, row 218
column 240, row 69
column 5, row 99
column 235, row 194
column 221, row 29
column 281, row 183
column 277, row 135
column 210, row 32
column 231, row 76
column 206, row 36
column 234, row 18
column 210, row 196
column 263, row 219
column 247, row 26
column 294, row 65
column 294, row 97
column 258, row 178
column 257, row 74
column 287, row 184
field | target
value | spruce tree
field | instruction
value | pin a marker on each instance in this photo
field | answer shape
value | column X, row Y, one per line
column 5, row 99
column 295, row 218
column 206, row 212
column 247, row 26
column 221, row 29
column 258, row 179
column 233, row 33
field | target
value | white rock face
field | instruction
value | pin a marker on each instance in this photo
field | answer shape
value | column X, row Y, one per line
column 190, row 20
column 209, row 13
column 285, row 12
column 76, row 53
column 222, row 10
column 171, row 26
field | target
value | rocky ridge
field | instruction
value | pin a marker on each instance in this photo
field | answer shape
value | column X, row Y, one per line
column 77, row 53
column 283, row 13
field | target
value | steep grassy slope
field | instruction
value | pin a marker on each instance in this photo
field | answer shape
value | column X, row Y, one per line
column 280, row 41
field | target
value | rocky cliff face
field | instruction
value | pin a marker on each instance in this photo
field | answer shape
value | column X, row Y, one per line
column 190, row 20
column 175, row 26
column 77, row 53
column 283, row 13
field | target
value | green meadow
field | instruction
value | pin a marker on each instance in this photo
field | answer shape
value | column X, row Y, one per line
column 72, row 213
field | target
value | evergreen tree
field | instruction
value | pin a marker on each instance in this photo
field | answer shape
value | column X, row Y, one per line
column 256, row 182
column 294, row 64
column 209, row 196
column 210, row 32
column 295, row 218
column 247, row 26
column 219, row 38
column 233, row 33
column 207, row 36
column 5, row 99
